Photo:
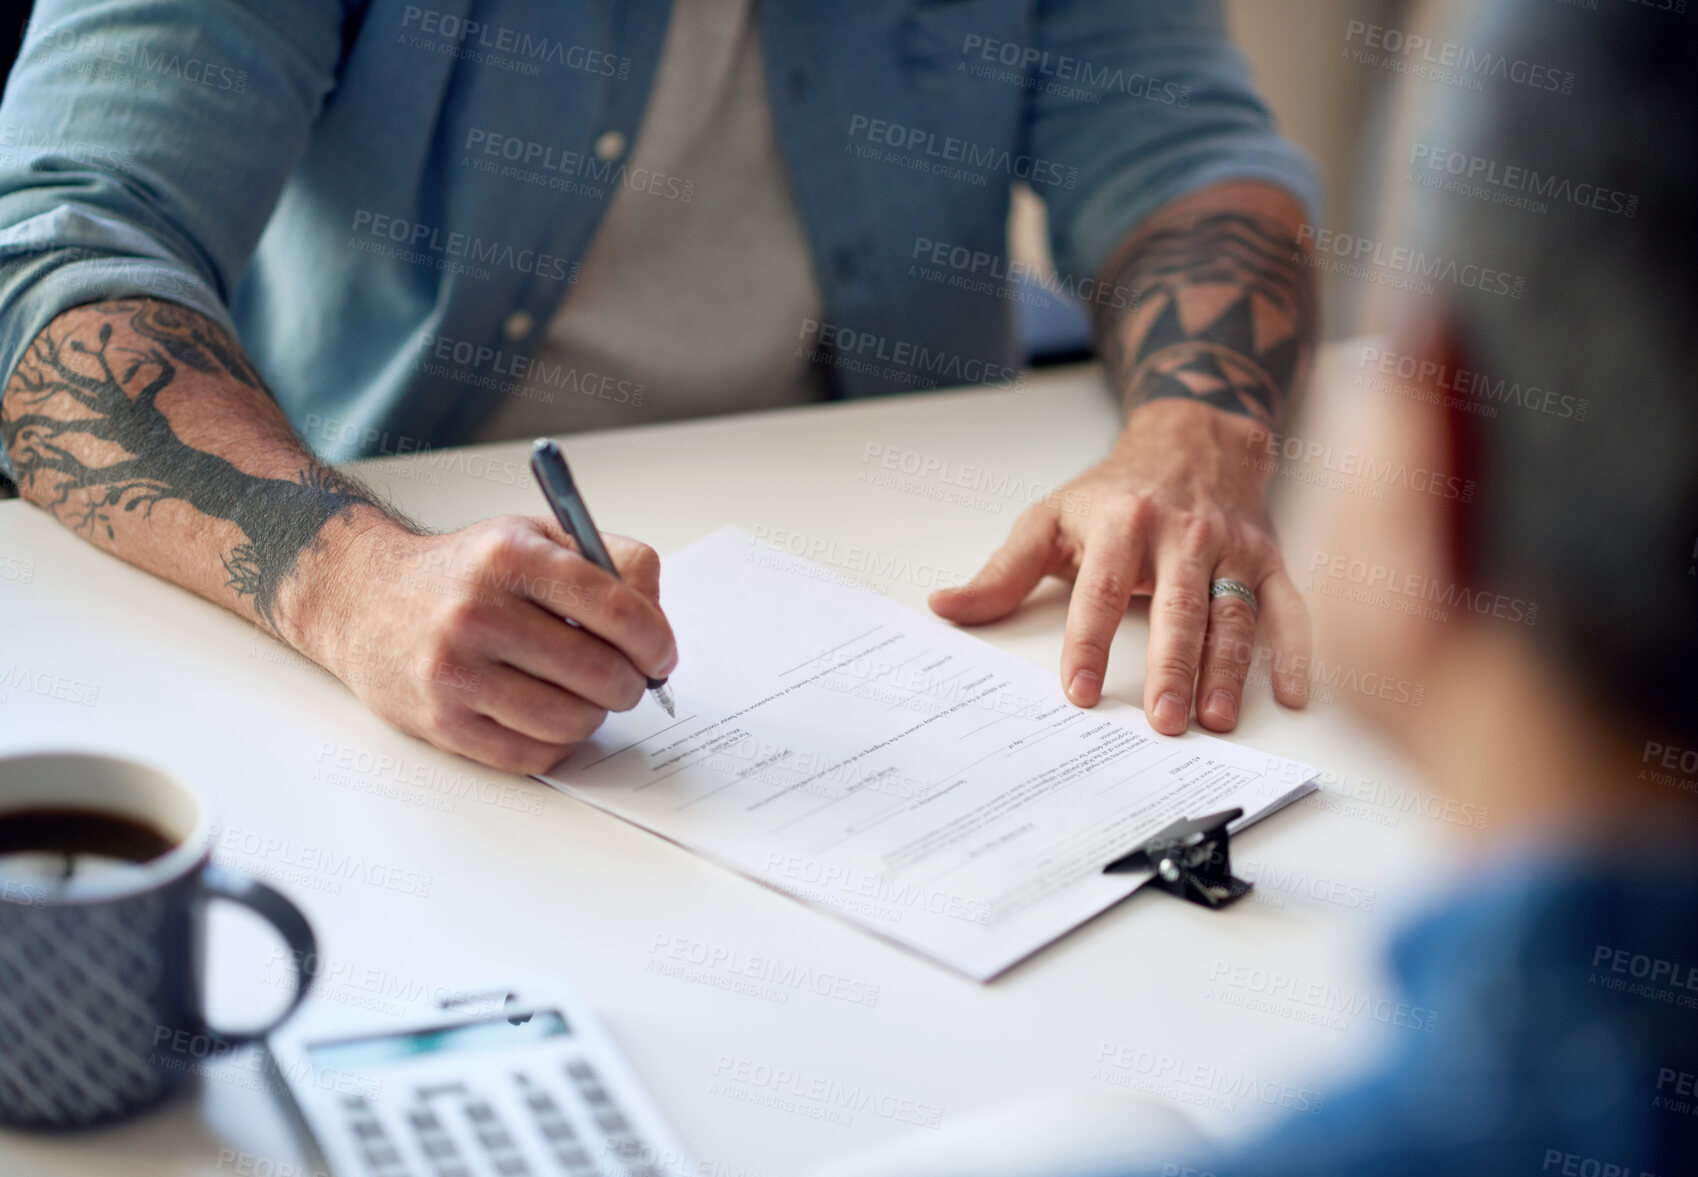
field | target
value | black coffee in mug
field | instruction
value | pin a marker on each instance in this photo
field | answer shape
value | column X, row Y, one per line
column 60, row 844
column 105, row 875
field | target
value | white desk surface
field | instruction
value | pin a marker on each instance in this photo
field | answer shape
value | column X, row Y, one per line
column 563, row 888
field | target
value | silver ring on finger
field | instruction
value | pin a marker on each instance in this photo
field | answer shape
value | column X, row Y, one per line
column 1227, row 587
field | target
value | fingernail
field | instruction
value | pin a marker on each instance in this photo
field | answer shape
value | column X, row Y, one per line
column 1223, row 707
column 671, row 664
column 1170, row 711
column 1084, row 687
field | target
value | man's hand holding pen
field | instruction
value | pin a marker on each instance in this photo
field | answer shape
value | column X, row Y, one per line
column 499, row 641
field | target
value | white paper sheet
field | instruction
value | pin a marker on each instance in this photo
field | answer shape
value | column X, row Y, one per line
column 888, row 767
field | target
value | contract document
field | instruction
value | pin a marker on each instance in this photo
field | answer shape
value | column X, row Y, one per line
column 883, row 765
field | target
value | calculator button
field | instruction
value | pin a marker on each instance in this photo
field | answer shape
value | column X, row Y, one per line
column 557, row 1130
column 644, row 1163
column 434, row 1089
column 576, row 1161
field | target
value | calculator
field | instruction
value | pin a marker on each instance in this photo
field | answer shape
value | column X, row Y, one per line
column 519, row 1082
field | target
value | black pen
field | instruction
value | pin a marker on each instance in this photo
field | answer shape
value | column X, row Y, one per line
column 555, row 478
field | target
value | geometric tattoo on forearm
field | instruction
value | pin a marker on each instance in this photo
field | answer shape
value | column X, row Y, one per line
column 1223, row 312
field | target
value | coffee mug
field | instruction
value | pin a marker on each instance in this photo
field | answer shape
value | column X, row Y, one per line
column 105, row 870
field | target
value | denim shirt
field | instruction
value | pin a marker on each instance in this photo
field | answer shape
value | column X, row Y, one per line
column 387, row 201
column 1565, row 1042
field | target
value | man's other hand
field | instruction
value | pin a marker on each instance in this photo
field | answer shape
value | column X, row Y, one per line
column 1175, row 506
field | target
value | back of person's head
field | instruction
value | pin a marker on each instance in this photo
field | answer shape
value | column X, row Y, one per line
column 1586, row 188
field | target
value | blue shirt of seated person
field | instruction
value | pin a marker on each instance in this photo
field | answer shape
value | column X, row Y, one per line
column 1566, row 1043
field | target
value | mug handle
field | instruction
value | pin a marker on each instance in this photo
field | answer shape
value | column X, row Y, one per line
column 217, row 882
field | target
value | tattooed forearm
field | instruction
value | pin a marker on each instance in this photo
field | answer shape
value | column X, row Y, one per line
column 91, row 442
column 190, row 339
column 1222, row 312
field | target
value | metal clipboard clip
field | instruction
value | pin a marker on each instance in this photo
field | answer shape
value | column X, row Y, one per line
column 1191, row 859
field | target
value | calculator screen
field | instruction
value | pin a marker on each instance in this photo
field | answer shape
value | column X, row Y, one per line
column 358, row 1054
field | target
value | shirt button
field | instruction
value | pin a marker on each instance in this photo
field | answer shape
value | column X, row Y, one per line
column 518, row 325
column 611, row 145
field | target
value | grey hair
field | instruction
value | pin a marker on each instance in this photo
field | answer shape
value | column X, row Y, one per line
column 1594, row 519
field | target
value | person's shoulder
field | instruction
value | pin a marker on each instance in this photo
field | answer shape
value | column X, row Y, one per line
column 1557, row 992
column 1573, row 968
column 1531, row 899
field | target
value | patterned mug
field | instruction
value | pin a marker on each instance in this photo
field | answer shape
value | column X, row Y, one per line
column 105, row 870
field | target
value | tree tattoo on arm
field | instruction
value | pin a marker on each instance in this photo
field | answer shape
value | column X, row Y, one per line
column 1223, row 312
column 67, row 393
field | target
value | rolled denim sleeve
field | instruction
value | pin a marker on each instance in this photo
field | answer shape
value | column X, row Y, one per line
column 1147, row 101
column 143, row 146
